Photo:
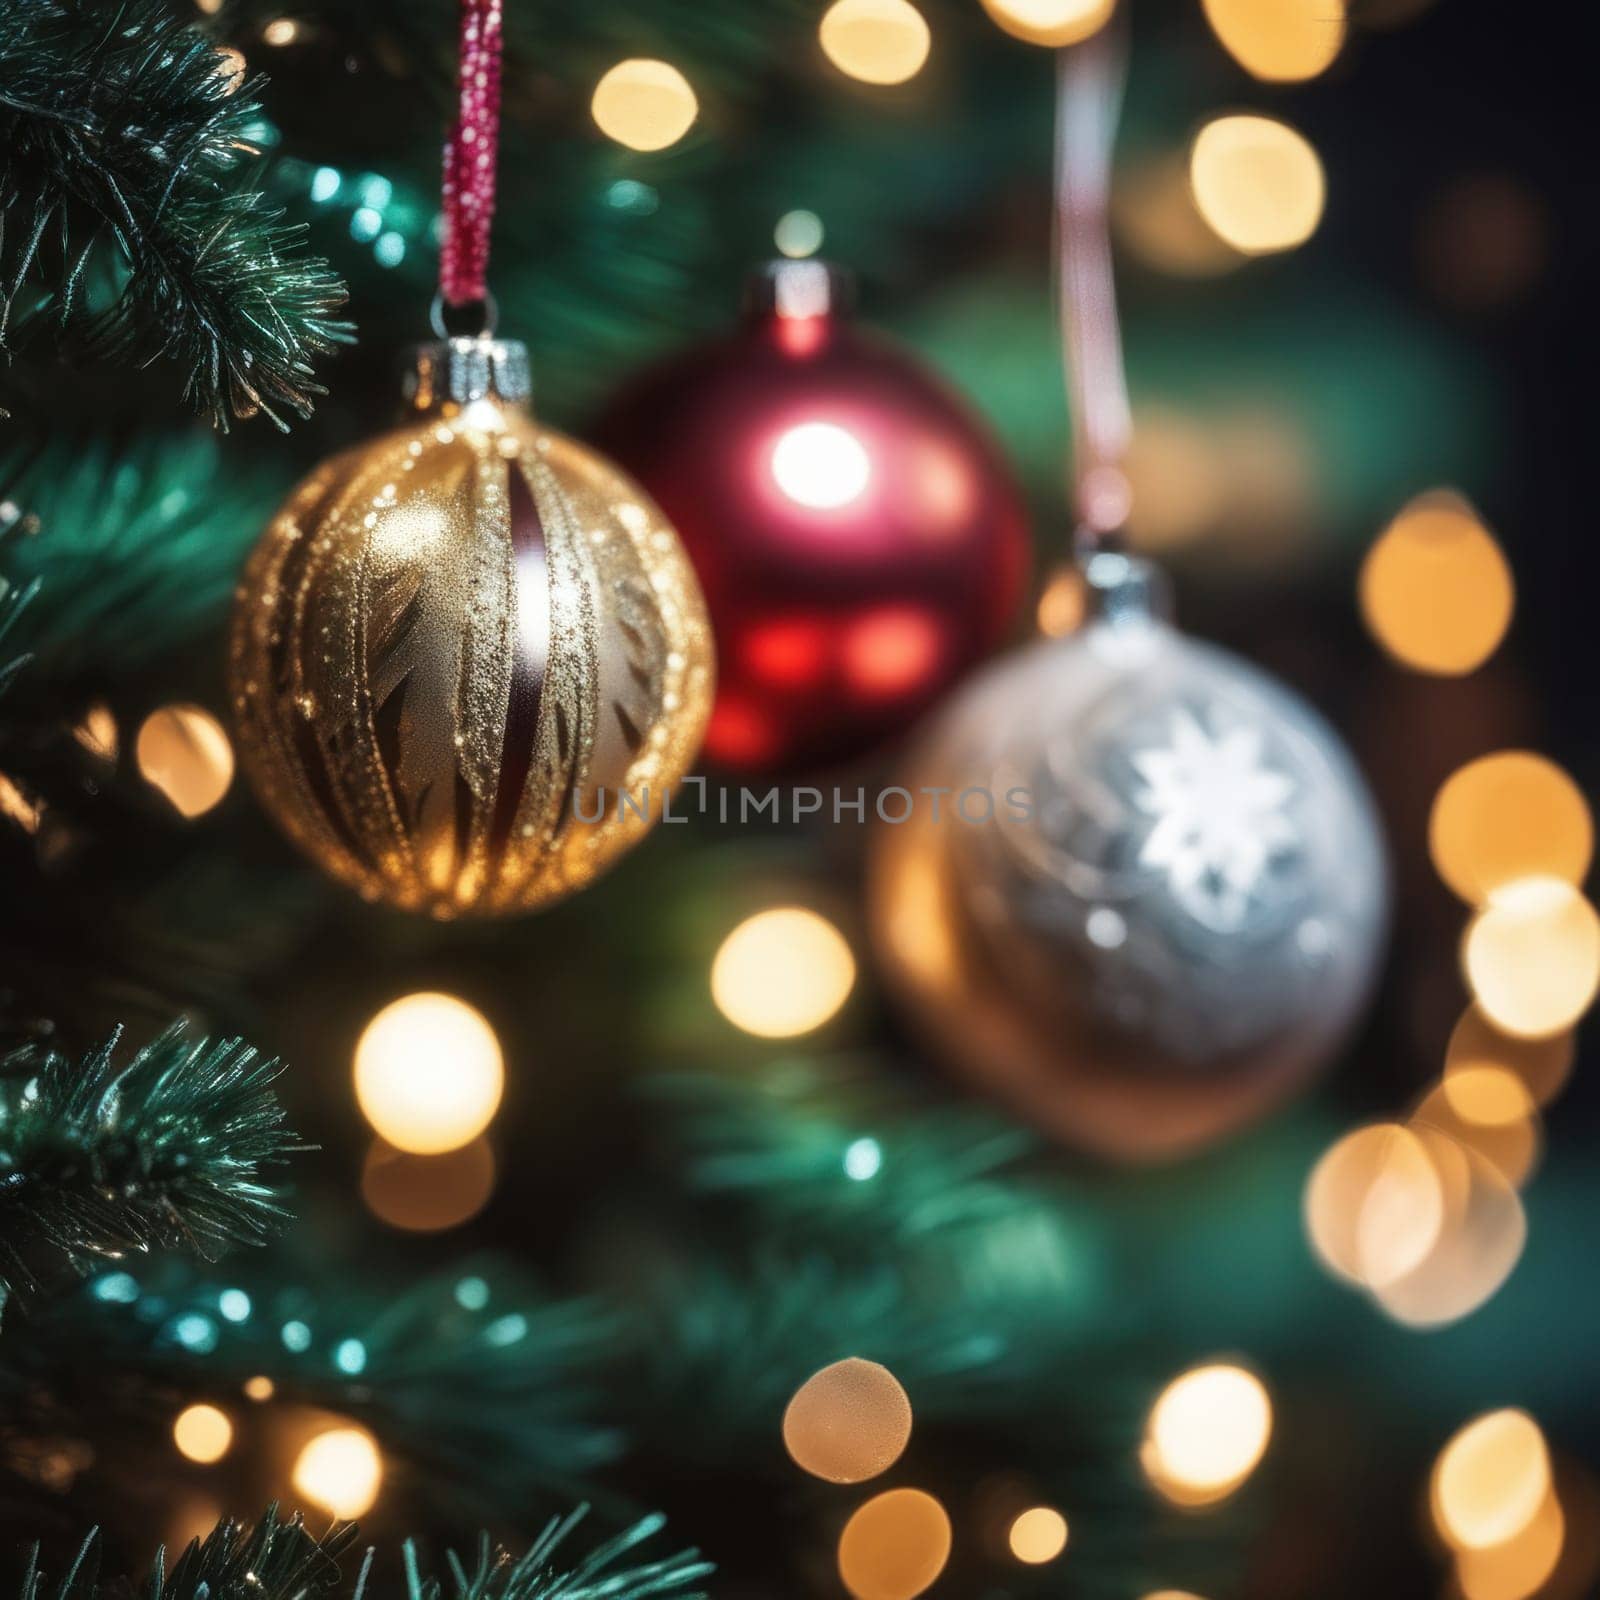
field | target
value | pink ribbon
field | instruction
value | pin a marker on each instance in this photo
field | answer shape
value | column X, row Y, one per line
column 469, row 159
column 1088, row 103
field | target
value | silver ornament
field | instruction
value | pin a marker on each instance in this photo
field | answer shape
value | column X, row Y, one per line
column 1174, row 911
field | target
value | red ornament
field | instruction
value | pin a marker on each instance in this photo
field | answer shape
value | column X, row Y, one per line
column 858, row 536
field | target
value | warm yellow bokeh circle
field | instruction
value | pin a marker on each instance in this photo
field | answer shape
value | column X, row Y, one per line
column 875, row 41
column 782, row 972
column 644, row 104
column 429, row 1073
column 1507, row 816
column 1052, row 23
column 1280, row 41
column 1435, row 589
column 1257, row 183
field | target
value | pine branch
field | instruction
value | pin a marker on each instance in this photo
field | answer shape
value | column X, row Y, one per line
column 97, row 1159
column 139, row 543
column 131, row 215
column 278, row 1559
column 474, row 1377
column 14, row 596
column 599, row 1576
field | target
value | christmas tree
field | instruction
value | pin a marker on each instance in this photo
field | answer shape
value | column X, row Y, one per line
column 763, row 1197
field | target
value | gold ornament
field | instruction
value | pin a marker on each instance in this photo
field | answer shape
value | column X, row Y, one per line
column 470, row 658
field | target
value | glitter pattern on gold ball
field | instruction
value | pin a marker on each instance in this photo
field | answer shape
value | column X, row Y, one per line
column 1170, row 911
column 456, row 647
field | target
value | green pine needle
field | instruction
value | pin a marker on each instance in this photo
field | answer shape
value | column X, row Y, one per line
column 139, row 543
column 599, row 1576
column 278, row 1559
column 130, row 212
column 98, row 1158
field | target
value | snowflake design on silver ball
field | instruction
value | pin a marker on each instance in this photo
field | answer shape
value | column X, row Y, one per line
column 1219, row 817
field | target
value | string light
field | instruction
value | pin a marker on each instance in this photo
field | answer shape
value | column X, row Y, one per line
column 427, row 1194
column 340, row 1471
column 1435, row 589
column 644, row 104
column 1280, row 41
column 782, row 972
column 1038, row 1535
column 876, row 41
column 281, row 31
column 1490, row 1480
column 202, row 1433
column 848, row 1422
column 894, row 1546
column 1257, row 182
column 1532, row 956
column 1506, row 816
column 1051, row 23
column 1208, row 1430
column 429, row 1073
column 183, row 751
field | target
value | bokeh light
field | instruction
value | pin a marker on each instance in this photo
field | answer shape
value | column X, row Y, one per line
column 1064, row 602
column 821, row 465
column 798, row 234
column 340, row 1471
column 876, row 41
column 1050, row 22
column 644, row 104
column 1510, row 1143
column 281, row 31
column 1519, row 1567
column 96, row 731
column 427, row 1194
column 1038, row 1535
column 1281, row 41
column 259, row 1388
column 1477, row 1046
column 848, row 1422
column 894, row 1546
column 1532, row 956
column 202, row 1433
column 1488, row 1097
column 1435, row 589
column 1374, row 1205
column 1505, row 816
column 1257, row 182
column 1208, row 1430
column 428, row 1073
column 782, row 972
column 1479, row 1243
column 1490, row 1480
column 183, row 751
